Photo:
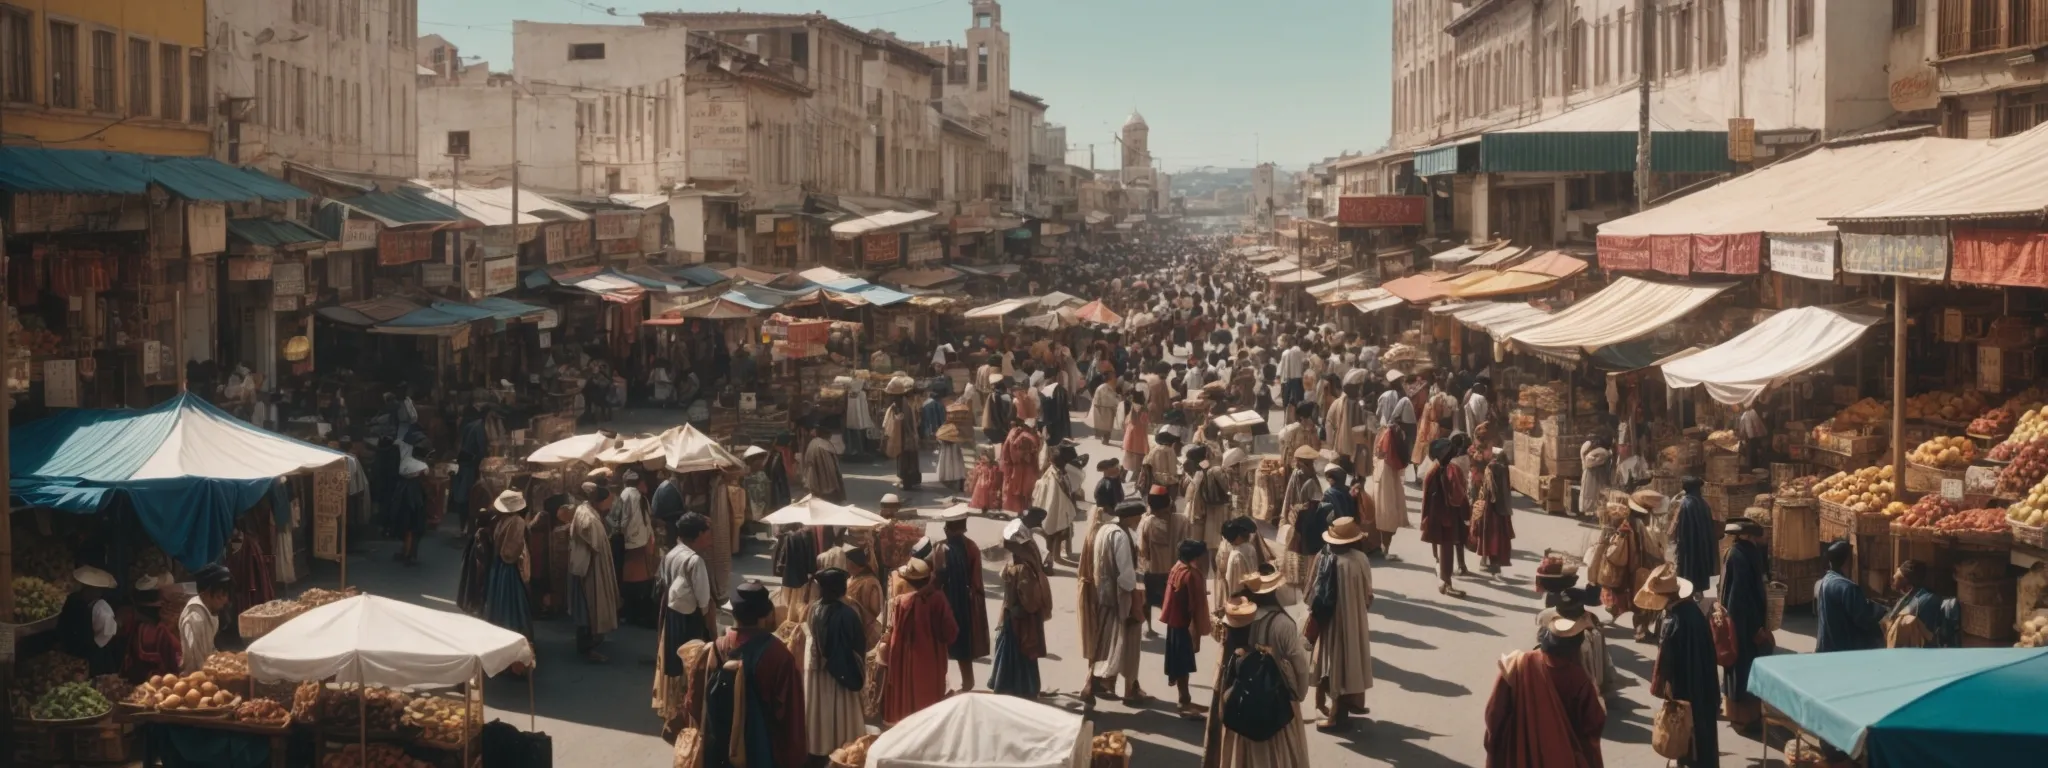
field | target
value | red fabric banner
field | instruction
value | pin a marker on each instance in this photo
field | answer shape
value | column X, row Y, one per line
column 1624, row 252
column 1728, row 254
column 2015, row 257
column 1671, row 254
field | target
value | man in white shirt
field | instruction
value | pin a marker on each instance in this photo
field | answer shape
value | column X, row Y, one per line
column 1755, row 436
column 690, row 600
column 1293, row 363
column 940, row 355
column 1477, row 409
column 200, row 620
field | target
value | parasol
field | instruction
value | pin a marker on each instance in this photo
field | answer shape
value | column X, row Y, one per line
column 1095, row 312
column 811, row 510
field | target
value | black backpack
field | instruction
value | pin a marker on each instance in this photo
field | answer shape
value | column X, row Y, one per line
column 1259, row 702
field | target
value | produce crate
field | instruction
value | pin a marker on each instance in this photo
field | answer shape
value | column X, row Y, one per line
column 1796, row 527
column 1727, row 499
column 1724, row 467
column 1784, row 472
column 1668, row 486
column 2030, row 535
column 1919, row 533
column 1567, row 466
column 1925, row 479
column 1790, row 570
column 1834, row 527
column 1981, row 541
column 1986, row 592
column 1990, row 622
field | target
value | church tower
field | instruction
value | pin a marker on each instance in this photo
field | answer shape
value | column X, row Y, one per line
column 1137, row 143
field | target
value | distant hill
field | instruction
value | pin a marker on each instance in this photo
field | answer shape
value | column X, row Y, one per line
column 1199, row 182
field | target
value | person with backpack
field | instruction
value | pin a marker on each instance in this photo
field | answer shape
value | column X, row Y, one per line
column 1270, row 675
column 1340, row 628
column 753, row 699
column 1544, row 710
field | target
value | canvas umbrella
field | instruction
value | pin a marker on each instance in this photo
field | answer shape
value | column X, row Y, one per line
column 1095, row 312
column 581, row 448
column 811, row 510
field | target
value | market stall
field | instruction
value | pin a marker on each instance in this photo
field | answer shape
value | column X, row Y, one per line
column 1922, row 708
column 979, row 729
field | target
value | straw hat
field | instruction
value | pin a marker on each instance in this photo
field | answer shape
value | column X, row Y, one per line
column 950, row 433
column 93, row 577
column 1235, row 456
column 1239, row 612
column 752, row 451
column 1264, row 584
column 1646, row 501
column 898, row 386
column 915, row 570
column 599, row 473
column 510, row 502
column 1307, row 453
column 1343, row 531
column 1570, row 625
column 1663, row 588
column 1016, row 532
column 1554, row 574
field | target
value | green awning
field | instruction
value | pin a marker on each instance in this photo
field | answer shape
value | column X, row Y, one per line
column 402, row 207
column 274, row 233
column 98, row 172
column 1602, row 151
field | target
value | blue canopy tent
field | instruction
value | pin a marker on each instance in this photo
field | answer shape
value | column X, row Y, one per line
column 1918, row 707
column 188, row 469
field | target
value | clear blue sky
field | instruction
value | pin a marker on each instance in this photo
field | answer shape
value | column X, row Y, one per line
column 1218, row 80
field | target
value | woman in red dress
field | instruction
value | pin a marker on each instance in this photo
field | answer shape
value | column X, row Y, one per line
column 1445, row 507
column 1493, row 525
column 1020, row 466
column 985, row 481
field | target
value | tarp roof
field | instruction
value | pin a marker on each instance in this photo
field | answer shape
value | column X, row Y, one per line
column 699, row 275
column 920, row 278
column 1340, row 284
column 369, row 312
column 189, row 468
column 1500, row 255
column 989, row 270
column 378, row 641
column 1799, row 195
column 1917, row 707
column 1000, row 308
column 984, row 730
column 1373, row 299
column 1296, row 277
column 1278, row 267
column 1490, row 283
column 583, row 448
column 100, row 172
column 1422, row 288
column 2004, row 180
column 493, row 207
column 752, row 275
column 1788, row 343
column 443, row 318
column 1459, row 255
column 1095, row 312
column 690, row 450
column 1497, row 319
column 719, row 308
column 1626, row 309
column 879, row 222
column 274, row 233
column 1553, row 263
column 402, row 207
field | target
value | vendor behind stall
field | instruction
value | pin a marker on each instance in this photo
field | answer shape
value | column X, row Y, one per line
column 200, row 621
column 86, row 626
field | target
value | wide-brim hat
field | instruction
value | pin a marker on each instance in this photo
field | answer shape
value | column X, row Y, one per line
column 898, row 386
column 915, row 570
column 1393, row 376
column 510, row 502
column 1264, row 583
column 1663, row 588
column 950, row 433
column 1239, row 612
column 1646, row 501
column 93, row 577
column 1235, row 456
column 1307, row 453
column 1017, row 532
column 1344, row 530
column 1741, row 525
column 1564, row 626
column 752, row 451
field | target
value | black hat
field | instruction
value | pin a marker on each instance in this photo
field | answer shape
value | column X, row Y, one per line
column 750, row 601
column 857, row 556
column 1130, row 509
column 831, row 582
column 1192, row 548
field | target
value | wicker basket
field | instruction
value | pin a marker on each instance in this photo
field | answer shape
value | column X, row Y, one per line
column 1921, row 478
column 1668, row 487
column 1918, row 533
column 253, row 627
column 1988, row 592
column 1990, row 622
column 1774, row 605
column 2030, row 535
column 1792, row 570
column 1796, row 533
column 1982, row 541
column 1725, row 468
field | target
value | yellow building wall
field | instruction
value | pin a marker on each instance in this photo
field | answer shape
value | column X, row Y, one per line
column 177, row 22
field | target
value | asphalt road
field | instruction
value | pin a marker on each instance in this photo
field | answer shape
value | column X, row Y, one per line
column 1433, row 656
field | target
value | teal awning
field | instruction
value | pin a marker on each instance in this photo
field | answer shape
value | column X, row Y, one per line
column 402, row 207
column 98, row 172
column 1602, row 151
column 273, row 233
column 1926, row 708
column 1446, row 159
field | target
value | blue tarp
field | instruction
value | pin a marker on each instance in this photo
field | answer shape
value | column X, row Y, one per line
column 274, row 233
column 99, row 172
column 188, row 468
column 399, row 208
column 1926, row 708
column 699, row 275
column 507, row 309
column 764, row 297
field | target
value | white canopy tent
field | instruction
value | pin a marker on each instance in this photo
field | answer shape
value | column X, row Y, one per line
column 1627, row 309
column 985, row 730
column 583, row 448
column 2004, row 181
column 1000, row 308
column 1791, row 342
column 378, row 641
column 633, row 450
column 811, row 510
column 875, row 223
column 1498, row 319
column 690, row 450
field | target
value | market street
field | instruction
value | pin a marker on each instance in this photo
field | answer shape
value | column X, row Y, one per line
column 1433, row 656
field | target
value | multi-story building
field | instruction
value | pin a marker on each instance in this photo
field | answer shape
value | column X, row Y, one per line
column 324, row 86
column 976, row 92
column 749, row 162
column 1972, row 67
column 126, row 76
column 898, row 80
column 1027, row 167
column 1523, row 114
column 1264, row 202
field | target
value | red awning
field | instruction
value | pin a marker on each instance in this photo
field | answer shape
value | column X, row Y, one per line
column 1419, row 289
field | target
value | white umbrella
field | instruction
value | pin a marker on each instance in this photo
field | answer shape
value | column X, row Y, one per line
column 811, row 510
column 633, row 450
column 378, row 641
column 583, row 448
column 689, row 450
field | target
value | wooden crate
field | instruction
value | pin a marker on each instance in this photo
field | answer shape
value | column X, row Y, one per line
column 1800, row 591
column 1990, row 622
column 1790, row 570
column 1724, row 467
column 1728, row 499
column 1986, row 592
column 1925, row 479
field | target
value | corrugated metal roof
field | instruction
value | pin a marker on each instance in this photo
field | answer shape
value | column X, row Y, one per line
column 98, row 172
column 274, row 233
column 493, row 207
column 699, row 275
column 403, row 207
column 1607, row 151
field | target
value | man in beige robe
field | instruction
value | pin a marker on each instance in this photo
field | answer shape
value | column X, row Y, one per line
column 1273, row 629
column 820, row 466
column 1341, row 629
column 593, row 584
column 1113, row 649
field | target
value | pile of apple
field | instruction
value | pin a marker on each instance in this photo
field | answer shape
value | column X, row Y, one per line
column 1929, row 511
column 1864, row 490
column 1948, row 453
column 1978, row 520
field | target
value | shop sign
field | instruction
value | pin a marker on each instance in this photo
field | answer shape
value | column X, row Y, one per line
column 619, row 247
column 459, row 340
column 557, row 247
column 241, row 268
column 359, row 234
column 330, row 500
column 618, row 225
column 395, row 248
column 152, row 357
column 1914, row 86
column 287, row 278
column 546, row 340
column 1742, row 139
column 1952, row 326
column 650, row 234
column 1671, row 254
column 926, row 252
column 549, row 319
column 473, row 276
column 577, row 235
column 499, row 242
column 1622, row 253
column 1737, row 254
column 60, row 383
column 1990, row 368
column 206, row 227
column 785, row 233
column 1952, row 488
column 765, row 223
column 199, row 275
column 1809, row 257
column 2014, row 257
column 500, row 275
column 284, row 303
column 1381, row 210
column 717, row 138
column 1921, row 256
column 881, row 250
column 437, row 275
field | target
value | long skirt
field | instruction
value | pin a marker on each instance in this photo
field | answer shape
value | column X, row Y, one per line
column 952, row 466
column 1180, row 653
column 1389, row 500
column 907, row 471
column 832, row 715
column 1102, row 418
column 505, row 598
column 1012, row 673
column 1155, row 589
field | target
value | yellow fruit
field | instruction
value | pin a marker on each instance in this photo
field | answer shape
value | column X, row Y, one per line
column 173, row 701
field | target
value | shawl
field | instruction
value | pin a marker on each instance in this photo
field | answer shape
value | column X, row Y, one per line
column 842, row 639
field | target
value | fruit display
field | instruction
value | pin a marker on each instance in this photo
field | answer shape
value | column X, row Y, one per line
column 1945, row 406
column 112, row 687
column 440, row 719
column 1927, row 512
column 306, row 701
column 49, row 670
column 855, row 752
column 316, row 597
column 378, row 756
column 1865, row 490
column 262, row 712
column 1110, row 748
column 225, row 666
column 2034, row 631
column 2032, row 509
column 338, row 707
column 1994, row 422
column 274, row 609
column 36, row 599
column 2026, row 400
column 1796, row 490
column 1977, row 520
column 1867, row 412
column 2025, row 470
column 2032, row 424
column 1947, row 453
column 1895, row 509
column 187, row 693
column 70, row 701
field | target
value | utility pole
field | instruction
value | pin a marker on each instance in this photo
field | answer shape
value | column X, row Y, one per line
column 515, row 168
column 1645, row 60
